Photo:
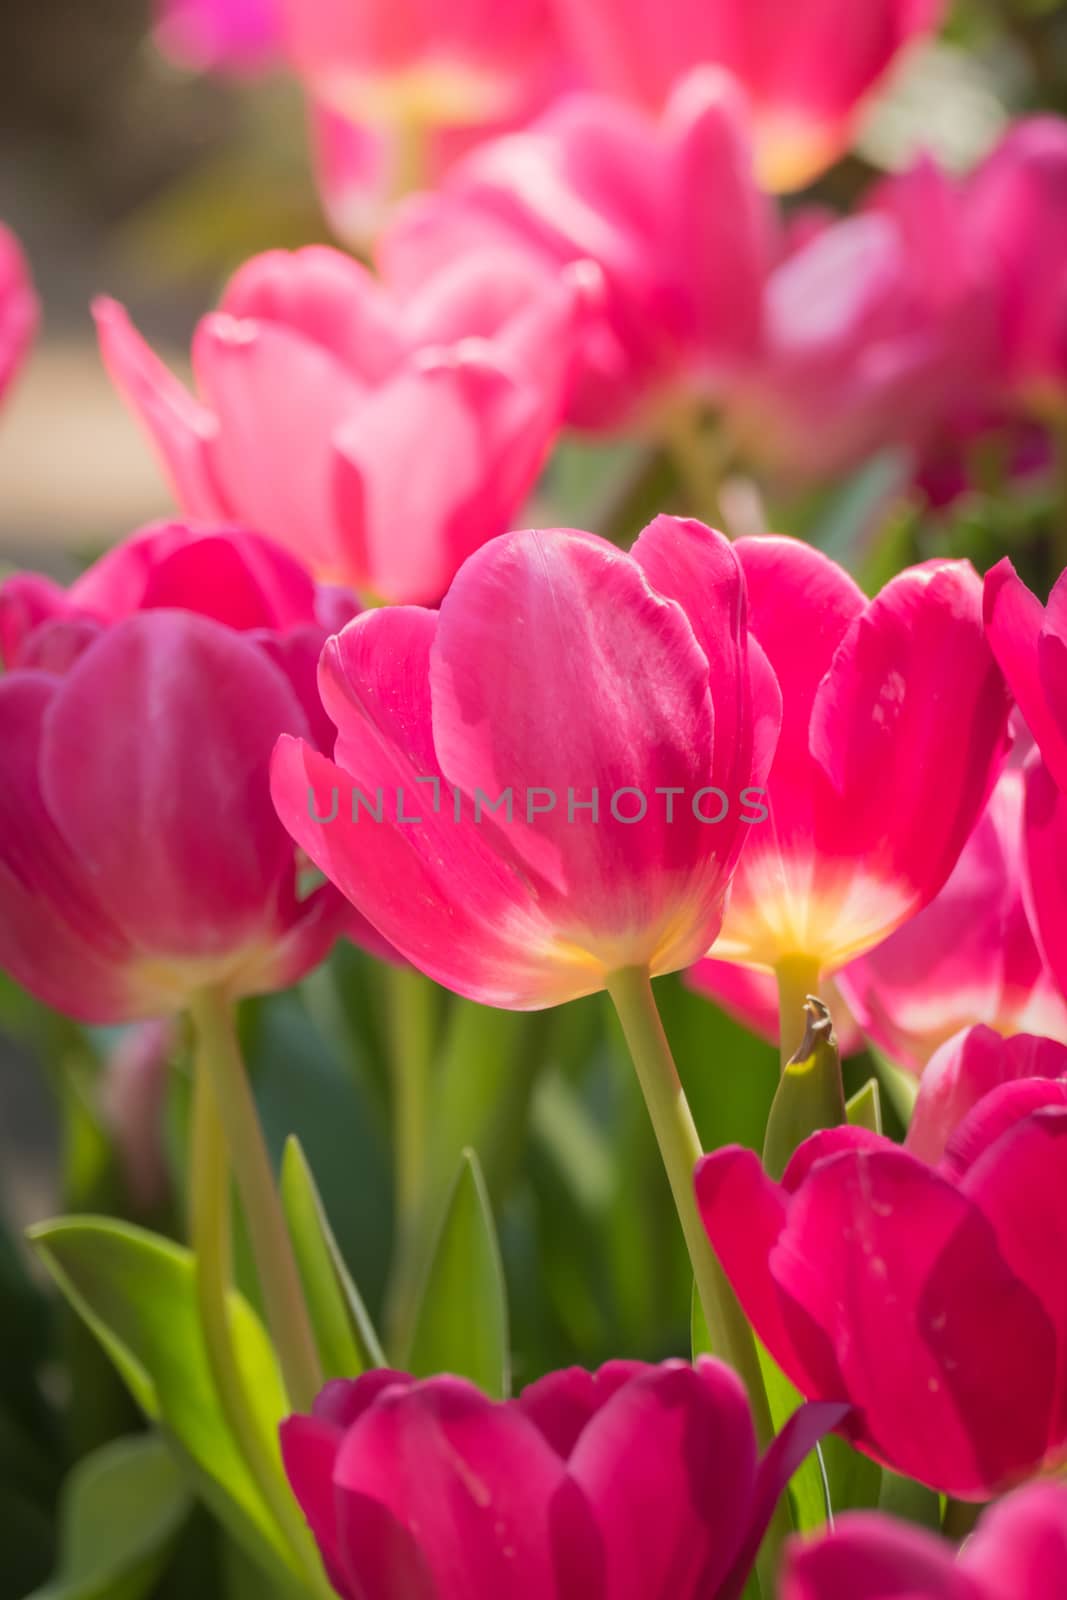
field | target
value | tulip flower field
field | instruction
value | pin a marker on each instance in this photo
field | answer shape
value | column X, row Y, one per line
column 536, row 887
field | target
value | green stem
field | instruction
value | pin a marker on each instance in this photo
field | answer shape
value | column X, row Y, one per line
column 798, row 976
column 411, row 1027
column 210, row 1206
column 959, row 1519
column 680, row 1147
column 701, row 459
column 272, row 1248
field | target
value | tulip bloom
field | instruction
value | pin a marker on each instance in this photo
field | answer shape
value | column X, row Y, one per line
column 1019, row 1550
column 877, row 333
column 668, row 209
column 969, row 957
column 1030, row 643
column 421, row 63
column 18, row 308
column 566, row 749
column 1017, row 219
column 966, row 1070
column 894, row 724
column 379, row 440
column 231, row 35
column 631, row 1483
column 931, row 1298
column 140, row 857
column 808, row 69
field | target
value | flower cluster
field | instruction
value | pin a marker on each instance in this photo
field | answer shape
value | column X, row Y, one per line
column 351, row 699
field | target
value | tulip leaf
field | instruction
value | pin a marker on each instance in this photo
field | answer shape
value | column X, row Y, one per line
column 809, row 1490
column 105, row 1552
column 810, row 1095
column 345, row 1335
column 864, row 1109
column 900, row 1087
column 462, row 1321
column 137, row 1293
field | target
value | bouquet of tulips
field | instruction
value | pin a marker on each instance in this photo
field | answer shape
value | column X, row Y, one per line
column 561, row 1034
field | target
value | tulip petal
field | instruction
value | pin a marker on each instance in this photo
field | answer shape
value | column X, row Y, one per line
column 692, row 1479
column 1020, row 1547
column 623, row 686
column 478, row 1519
column 872, row 1557
column 1014, row 621
column 1046, row 865
column 562, row 1403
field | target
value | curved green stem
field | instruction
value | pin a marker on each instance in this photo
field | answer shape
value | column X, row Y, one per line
column 798, row 976
column 210, row 1206
column 276, row 1267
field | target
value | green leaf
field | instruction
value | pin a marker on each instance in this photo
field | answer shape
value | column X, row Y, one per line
column 807, row 1487
column 900, row 1087
column 462, row 1322
column 121, row 1511
column 137, row 1293
column 810, row 1095
column 345, row 1335
column 864, row 1109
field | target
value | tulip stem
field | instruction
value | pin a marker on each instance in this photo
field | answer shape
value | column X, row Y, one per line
column 680, row 1147
column 272, row 1249
column 798, row 976
column 700, row 459
column 411, row 1027
column 210, row 1208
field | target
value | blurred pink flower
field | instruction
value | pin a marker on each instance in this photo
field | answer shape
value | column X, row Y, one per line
column 380, row 439
column 932, row 1299
column 140, row 856
column 1017, row 221
column 555, row 709
column 1019, row 1552
column 877, row 331
column 228, row 35
column 19, row 311
column 631, row 1483
column 969, row 957
column 808, row 69
column 894, row 727
column 667, row 208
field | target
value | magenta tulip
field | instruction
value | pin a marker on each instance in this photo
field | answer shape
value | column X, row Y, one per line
column 421, row 63
column 894, row 725
column 631, row 1483
column 140, row 857
column 668, row 209
column 931, row 1298
column 1017, row 217
column 18, row 308
column 552, row 778
column 970, row 957
column 808, row 69
column 381, row 441
column 877, row 333
column 227, row 35
column 1019, row 1552
column 967, row 1069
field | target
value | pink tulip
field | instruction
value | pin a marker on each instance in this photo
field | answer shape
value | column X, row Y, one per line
column 1017, row 215
column 380, row 440
column 1030, row 643
column 631, row 1483
column 894, row 725
column 970, row 957
column 140, row 856
column 932, row 1299
column 808, row 68
column 1019, row 1552
column 667, row 208
column 877, row 332
column 549, row 780
column 228, row 35
column 967, row 1069
column 422, row 63
column 18, row 308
